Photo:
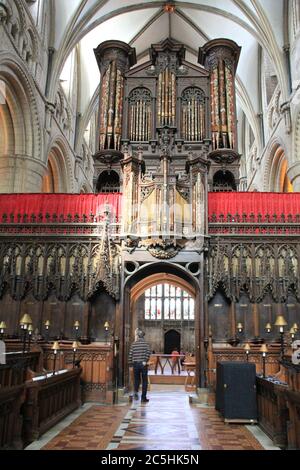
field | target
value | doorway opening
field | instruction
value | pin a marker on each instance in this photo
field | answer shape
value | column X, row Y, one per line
column 172, row 341
column 163, row 306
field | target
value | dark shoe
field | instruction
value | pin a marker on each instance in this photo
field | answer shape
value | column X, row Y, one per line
column 136, row 396
column 144, row 400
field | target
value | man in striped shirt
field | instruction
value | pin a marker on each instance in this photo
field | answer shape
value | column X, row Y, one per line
column 138, row 357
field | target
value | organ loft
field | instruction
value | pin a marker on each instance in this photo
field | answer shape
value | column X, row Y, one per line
column 161, row 240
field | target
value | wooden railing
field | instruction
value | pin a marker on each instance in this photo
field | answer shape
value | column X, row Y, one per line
column 272, row 410
column 279, row 406
column 49, row 399
column 293, row 426
column 11, row 399
column 15, row 371
column 96, row 360
column 218, row 354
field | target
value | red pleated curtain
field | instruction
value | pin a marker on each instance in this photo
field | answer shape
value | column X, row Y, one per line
column 219, row 204
column 61, row 204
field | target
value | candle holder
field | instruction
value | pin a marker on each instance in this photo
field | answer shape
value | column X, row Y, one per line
column 292, row 334
column 55, row 349
column 30, row 331
column 75, row 346
column 47, row 327
column 281, row 323
column 264, row 351
column 268, row 328
column 106, row 331
column 76, row 326
column 2, row 329
column 24, row 324
column 247, row 351
column 240, row 328
column 295, row 328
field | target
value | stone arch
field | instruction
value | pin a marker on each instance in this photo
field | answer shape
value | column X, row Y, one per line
column 21, row 165
column 108, row 182
column 58, row 176
column 277, row 171
column 158, row 270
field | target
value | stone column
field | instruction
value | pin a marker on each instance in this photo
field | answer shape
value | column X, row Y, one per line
column 21, row 174
column 294, row 175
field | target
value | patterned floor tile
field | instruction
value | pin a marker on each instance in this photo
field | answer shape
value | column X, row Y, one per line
column 167, row 422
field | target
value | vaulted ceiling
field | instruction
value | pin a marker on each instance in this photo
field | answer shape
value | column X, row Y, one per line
column 250, row 23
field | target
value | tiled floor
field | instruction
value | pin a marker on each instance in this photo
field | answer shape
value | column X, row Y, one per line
column 167, row 422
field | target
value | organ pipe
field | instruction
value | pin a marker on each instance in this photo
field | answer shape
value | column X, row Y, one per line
column 193, row 114
column 220, row 57
column 114, row 59
column 140, row 115
column 166, row 98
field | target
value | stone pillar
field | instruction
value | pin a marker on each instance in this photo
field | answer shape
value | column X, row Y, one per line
column 21, row 174
column 294, row 175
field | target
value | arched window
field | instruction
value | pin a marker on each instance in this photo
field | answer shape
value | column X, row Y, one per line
column 168, row 302
column 140, row 125
column 193, row 114
column 108, row 182
column 224, row 181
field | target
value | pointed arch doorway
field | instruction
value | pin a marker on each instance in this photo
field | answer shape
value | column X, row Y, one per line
column 172, row 341
column 134, row 308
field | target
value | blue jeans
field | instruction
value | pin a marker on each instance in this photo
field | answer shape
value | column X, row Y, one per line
column 140, row 371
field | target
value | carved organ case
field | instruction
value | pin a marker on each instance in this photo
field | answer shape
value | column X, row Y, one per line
column 162, row 124
column 220, row 57
column 166, row 131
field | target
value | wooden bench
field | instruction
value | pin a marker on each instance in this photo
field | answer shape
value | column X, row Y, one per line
column 49, row 398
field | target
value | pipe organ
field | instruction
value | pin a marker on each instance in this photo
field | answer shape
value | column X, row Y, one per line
column 140, row 115
column 193, row 114
column 159, row 125
column 220, row 57
column 114, row 59
column 166, row 98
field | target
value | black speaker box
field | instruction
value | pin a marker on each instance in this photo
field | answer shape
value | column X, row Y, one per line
column 236, row 391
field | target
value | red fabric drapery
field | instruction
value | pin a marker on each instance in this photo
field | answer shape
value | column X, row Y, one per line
column 61, row 204
column 253, row 203
column 87, row 204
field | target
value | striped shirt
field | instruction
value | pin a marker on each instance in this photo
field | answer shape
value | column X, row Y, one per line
column 139, row 352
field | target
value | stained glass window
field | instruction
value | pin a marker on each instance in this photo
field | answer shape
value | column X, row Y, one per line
column 168, row 302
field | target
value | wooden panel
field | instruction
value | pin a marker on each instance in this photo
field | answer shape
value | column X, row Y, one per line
column 272, row 410
column 218, row 312
column 74, row 312
column 33, row 308
column 54, row 311
column 11, row 399
column 9, row 309
column 244, row 316
column 103, row 309
column 293, row 403
column 97, row 368
column 217, row 354
column 15, row 371
column 48, row 401
column 267, row 313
